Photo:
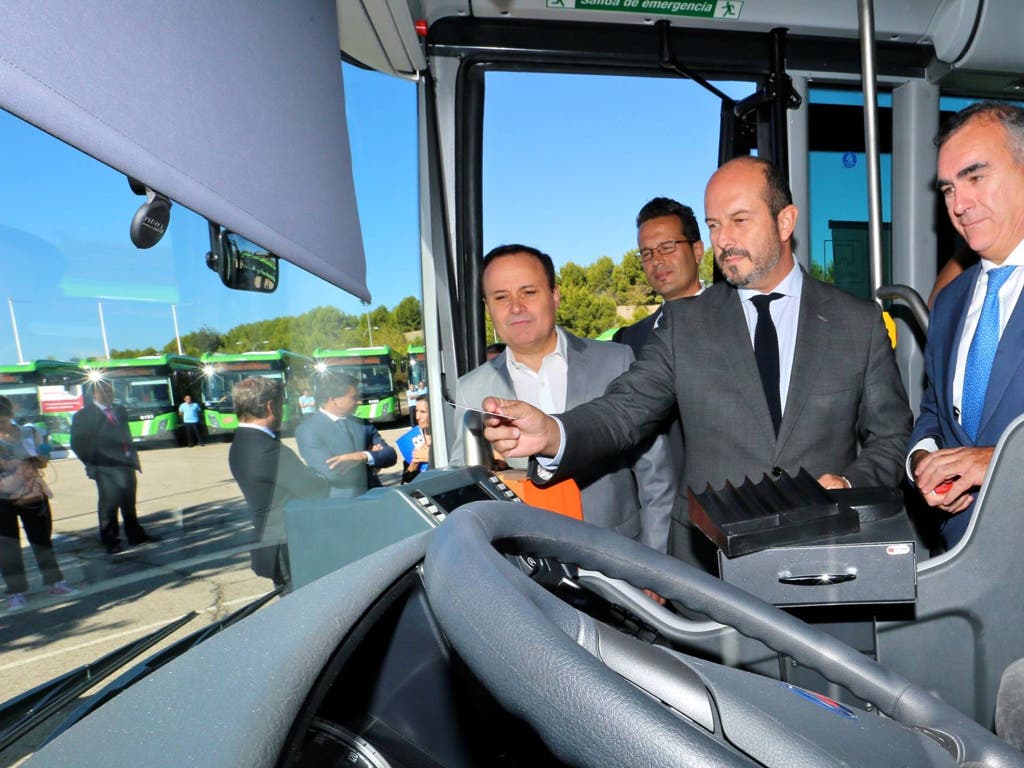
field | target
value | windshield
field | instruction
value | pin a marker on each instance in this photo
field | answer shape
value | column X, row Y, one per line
column 374, row 380
column 81, row 292
column 217, row 386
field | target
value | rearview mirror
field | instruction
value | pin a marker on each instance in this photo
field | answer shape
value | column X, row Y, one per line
column 241, row 264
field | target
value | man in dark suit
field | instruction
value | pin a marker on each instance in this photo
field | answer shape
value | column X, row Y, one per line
column 102, row 441
column 771, row 370
column 974, row 358
column 341, row 447
column 671, row 250
column 268, row 473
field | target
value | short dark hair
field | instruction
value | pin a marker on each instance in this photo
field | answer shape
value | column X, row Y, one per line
column 776, row 187
column 497, row 347
column 334, row 384
column 514, row 248
column 251, row 396
column 1009, row 116
column 666, row 206
column 6, row 406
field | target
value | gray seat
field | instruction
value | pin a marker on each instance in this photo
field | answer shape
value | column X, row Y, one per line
column 969, row 615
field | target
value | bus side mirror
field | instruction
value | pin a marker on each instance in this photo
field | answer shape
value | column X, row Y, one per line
column 241, row 265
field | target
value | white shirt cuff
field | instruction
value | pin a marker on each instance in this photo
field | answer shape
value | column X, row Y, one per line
column 546, row 467
column 927, row 444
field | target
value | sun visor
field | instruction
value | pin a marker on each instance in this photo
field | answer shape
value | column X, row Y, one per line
column 231, row 108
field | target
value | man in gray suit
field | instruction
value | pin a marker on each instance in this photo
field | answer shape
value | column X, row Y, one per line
column 553, row 369
column 771, row 371
column 338, row 445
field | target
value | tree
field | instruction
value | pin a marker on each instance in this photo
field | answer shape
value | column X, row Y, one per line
column 585, row 313
column 599, row 275
column 206, row 339
column 408, row 315
column 571, row 275
column 630, row 283
column 123, row 354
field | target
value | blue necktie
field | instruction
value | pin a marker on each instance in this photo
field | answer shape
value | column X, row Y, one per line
column 982, row 353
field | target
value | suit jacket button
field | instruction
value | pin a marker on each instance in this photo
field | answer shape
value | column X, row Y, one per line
column 776, row 471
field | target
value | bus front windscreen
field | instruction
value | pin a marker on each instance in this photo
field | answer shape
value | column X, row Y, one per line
column 374, row 380
column 148, row 392
column 217, row 386
column 25, row 399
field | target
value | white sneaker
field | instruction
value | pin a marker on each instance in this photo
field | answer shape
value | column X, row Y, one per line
column 62, row 588
column 15, row 602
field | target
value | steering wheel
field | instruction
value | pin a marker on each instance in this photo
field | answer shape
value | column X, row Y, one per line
column 549, row 664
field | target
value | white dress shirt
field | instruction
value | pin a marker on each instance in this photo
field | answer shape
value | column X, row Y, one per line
column 544, row 388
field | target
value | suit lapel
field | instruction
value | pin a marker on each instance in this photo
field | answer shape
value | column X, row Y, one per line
column 579, row 371
column 734, row 341
column 811, row 341
column 962, row 290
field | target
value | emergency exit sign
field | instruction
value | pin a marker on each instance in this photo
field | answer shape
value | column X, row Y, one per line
column 705, row 9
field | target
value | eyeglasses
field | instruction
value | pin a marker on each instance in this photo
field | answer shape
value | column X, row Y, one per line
column 669, row 246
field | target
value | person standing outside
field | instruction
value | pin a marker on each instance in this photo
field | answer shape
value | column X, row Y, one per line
column 103, row 443
column 341, row 447
column 415, row 445
column 24, row 496
column 268, row 474
column 307, row 404
column 191, row 413
column 549, row 367
column 974, row 356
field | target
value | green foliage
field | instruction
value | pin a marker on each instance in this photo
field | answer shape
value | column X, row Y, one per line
column 639, row 313
column 206, row 339
column 122, row 354
column 599, row 275
column 571, row 275
column 707, row 266
column 408, row 315
column 585, row 312
column 823, row 273
column 629, row 282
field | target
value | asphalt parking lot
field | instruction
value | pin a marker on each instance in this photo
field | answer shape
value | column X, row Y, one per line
column 200, row 564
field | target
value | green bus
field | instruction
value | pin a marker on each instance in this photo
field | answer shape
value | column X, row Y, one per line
column 45, row 394
column 151, row 388
column 221, row 371
column 374, row 367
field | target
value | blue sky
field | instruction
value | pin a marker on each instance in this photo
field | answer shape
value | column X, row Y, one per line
column 569, row 160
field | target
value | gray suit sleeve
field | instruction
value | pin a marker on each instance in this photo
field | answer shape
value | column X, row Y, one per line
column 884, row 419
column 656, row 492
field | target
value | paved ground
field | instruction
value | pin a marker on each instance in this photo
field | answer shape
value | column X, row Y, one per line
column 188, row 498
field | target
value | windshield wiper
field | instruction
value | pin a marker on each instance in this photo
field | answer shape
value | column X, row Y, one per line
column 23, row 713
column 158, row 659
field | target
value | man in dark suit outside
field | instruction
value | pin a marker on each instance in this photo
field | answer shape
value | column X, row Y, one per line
column 102, row 441
column 974, row 357
column 268, row 473
column 341, row 447
column 771, row 371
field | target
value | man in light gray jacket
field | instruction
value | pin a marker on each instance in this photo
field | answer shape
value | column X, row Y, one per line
column 630, row 492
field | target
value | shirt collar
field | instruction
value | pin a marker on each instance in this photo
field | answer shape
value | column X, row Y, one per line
column 1015, row 259
column 559, row 350
column 260, row 427
column 331, row 416
column 791, row 285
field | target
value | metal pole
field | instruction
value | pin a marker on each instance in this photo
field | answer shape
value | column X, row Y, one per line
column 14, row 325
column 866, row 18
column 369, row 327
column 177, row 336
column 103, row 331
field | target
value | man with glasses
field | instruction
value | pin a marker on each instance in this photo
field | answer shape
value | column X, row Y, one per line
column 771, row 371
column 670, row 253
